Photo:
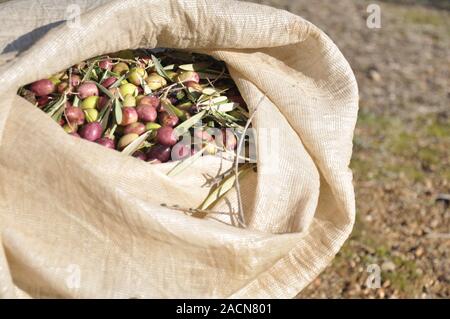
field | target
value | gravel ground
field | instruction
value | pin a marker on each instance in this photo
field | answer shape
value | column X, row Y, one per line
column 401, row 158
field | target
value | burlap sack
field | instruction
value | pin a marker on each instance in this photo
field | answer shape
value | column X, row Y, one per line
column 79, row 220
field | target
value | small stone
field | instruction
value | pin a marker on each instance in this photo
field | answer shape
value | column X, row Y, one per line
column 388, row 266
column 374, row 75
column 434, row 223
column 419, row 251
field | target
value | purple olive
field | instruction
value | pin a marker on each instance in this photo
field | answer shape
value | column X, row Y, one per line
column 166, row 136
column 167, row 119
column 107, row 142
column 91, row 131
column 87, row 89
column 43, row 100
column 146, row 113
column 140, row 154
column 102, row 102
column 74, row 115
column 159, row 152
column 173, row 100
column 180, row 151
column 137, row 128
column 43, row 87
column 109, row 81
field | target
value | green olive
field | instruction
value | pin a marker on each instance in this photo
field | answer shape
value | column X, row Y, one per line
column 121, row 68
column 171, row 74
column 136, row 75
column 128, row 89
column 151, row 126
column 90, row 102
column 72, row 128
column 129, row 101
column 155, row 81
column 91, row 115
column 127, row 140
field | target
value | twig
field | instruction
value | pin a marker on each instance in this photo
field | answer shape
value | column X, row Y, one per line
column 236, row 164
column 193, row 211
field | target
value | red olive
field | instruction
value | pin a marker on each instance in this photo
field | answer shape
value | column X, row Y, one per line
column 75, row 80
column 228, row 139
column 87, row 89
column 129, row 115
column 189, row 76
column 166, row 136
column 107, row 142
column 150, row 100
column 105, row 64
column 159, row 153
column 43, row 87
column 109, row 81
column 167, row 119
column 203, row 135
column 146, row 113
column 62, row 87
column 74, row 115
column 180, row 151
column 193, row 85
column 91, row 131
column 137, row 128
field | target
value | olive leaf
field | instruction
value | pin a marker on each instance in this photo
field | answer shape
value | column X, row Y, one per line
column 76, row 101
column 104, row 114
column 209, row 91
column 224, row 107
column 58, row 105
column 171, row 108
column 169, row 67
column 118, row 111
column 147, row 89
column 58, row 114
column 159, row 69
column 211, row 76
column 87, row 75
column 185, row 163
column 186, row 125
column 104, row 90
column 119, row 81
column 133, row 146
column 195, row 66
column 223, row 187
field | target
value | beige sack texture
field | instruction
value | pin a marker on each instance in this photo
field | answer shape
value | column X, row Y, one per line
column 80, row 221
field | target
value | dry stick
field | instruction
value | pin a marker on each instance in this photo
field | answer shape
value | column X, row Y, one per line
column 236, row 163
column 196, row 210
